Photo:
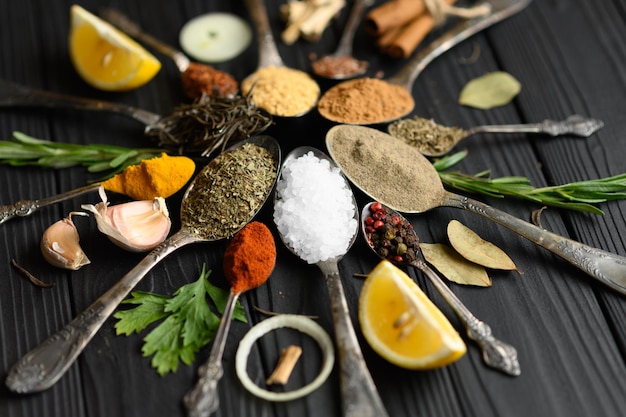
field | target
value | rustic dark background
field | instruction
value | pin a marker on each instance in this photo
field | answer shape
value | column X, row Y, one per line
column 569, row 56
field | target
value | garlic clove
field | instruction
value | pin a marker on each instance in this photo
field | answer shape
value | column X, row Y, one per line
column 137, row 226
column 59, row 244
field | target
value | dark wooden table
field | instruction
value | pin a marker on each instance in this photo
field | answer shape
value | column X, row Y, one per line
column 569, row 56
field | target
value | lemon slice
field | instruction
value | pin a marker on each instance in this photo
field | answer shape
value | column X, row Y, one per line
column 402, row 325
column 106, row 58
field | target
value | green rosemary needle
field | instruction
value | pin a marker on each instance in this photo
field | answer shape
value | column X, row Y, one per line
column 26, row 150
column 579, row 196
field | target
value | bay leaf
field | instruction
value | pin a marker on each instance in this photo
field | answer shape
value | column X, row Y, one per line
column 475, row 249
column 493, row 89
column 453, row 266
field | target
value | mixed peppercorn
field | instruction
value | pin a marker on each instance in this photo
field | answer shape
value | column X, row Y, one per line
column 390, row 235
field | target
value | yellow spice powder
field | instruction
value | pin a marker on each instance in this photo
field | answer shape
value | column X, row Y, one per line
column 156, row 177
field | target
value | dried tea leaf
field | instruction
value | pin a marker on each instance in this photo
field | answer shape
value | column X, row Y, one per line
column 453, row 266
column 490, row 90
column 475, row 249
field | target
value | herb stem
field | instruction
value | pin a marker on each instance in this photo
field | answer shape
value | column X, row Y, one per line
column 579, row 196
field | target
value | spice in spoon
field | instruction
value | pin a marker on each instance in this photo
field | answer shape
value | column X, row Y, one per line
column 281, row 91
column 426, row 135
column 229, row 191
column 162, row 176
column 250, row 257
column 209, row 124
column 365, row 101
column 248, row 263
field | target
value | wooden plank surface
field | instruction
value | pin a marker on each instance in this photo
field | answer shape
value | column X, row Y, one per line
column 569, row 56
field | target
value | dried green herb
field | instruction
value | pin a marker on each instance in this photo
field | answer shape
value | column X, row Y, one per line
column 453, row 266
column 426, row 135
column 579, row 196
column 229, row 191
column 490, row 90
column 476, row 249
column 209, row 124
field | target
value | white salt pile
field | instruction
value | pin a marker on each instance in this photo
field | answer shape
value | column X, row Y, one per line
column 314, row 210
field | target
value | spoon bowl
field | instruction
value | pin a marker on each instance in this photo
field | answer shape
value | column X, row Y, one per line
column 434, row 140
column 40, row 368
column 341, row 64
column 406, row 76
column 359, row 394
column 299, row 84
column 496, row 354
column 193, row 84
column 423, row 190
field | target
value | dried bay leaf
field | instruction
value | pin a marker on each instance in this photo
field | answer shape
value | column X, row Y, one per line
column 453, row 266
column 490, row 90
column 475, row 249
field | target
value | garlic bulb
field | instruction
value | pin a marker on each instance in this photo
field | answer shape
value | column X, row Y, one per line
column 59, row 244
column 137, row 226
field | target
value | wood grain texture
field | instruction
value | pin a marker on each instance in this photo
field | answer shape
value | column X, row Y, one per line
column 569, row 56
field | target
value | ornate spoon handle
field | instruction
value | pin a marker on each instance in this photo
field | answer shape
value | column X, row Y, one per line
column 43, row 366
column 573, row 125
column 497, row 354
column 203, row 399
column 25, row 208
column 606, row 267
column 359, row 395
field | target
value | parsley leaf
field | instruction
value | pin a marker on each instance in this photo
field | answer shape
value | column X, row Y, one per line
column 189, row 323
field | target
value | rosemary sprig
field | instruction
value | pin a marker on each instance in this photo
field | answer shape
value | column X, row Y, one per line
column 579, row 196
column 27, row 150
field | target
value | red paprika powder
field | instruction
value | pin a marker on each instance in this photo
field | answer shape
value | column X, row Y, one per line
column 250, row 257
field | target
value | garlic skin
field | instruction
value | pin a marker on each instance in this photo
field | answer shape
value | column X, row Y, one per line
column 137, row 226
column 59, row 244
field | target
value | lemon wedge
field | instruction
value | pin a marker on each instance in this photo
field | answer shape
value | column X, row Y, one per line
column 402, row 325
column 105, row 57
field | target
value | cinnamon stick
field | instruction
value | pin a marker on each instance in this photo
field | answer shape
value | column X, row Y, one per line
column 392, row 14
column 288, row 358
column 411, row 35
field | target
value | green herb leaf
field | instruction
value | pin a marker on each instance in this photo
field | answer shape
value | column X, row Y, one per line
column 578, row 196
column 189, row 323
column 26, row 150
column 490, row 90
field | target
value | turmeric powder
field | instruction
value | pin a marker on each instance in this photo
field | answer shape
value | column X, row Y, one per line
column 162, row 176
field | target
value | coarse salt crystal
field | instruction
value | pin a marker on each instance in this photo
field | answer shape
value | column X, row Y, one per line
column 314, row 209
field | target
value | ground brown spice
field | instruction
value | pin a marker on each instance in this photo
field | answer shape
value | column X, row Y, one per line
column 384, row 167
column 365, row 101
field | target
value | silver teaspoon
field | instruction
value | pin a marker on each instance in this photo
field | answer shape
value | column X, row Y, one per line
column 499, row 10
column 359, row 395
column 496, row 354
column 341, row 65
column 40, row 368
column 432, row 139
column 422, row 180
column 285, row 85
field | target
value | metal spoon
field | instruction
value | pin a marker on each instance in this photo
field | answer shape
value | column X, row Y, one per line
column 500, row 10
column 359, row 395
column 203, row 399
column 166, row 128
column 341, row 65
column 497, row 354
column 40, row 368
column 608, row 268
column 193, row 85
column 436, row 140
column 269, row 57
